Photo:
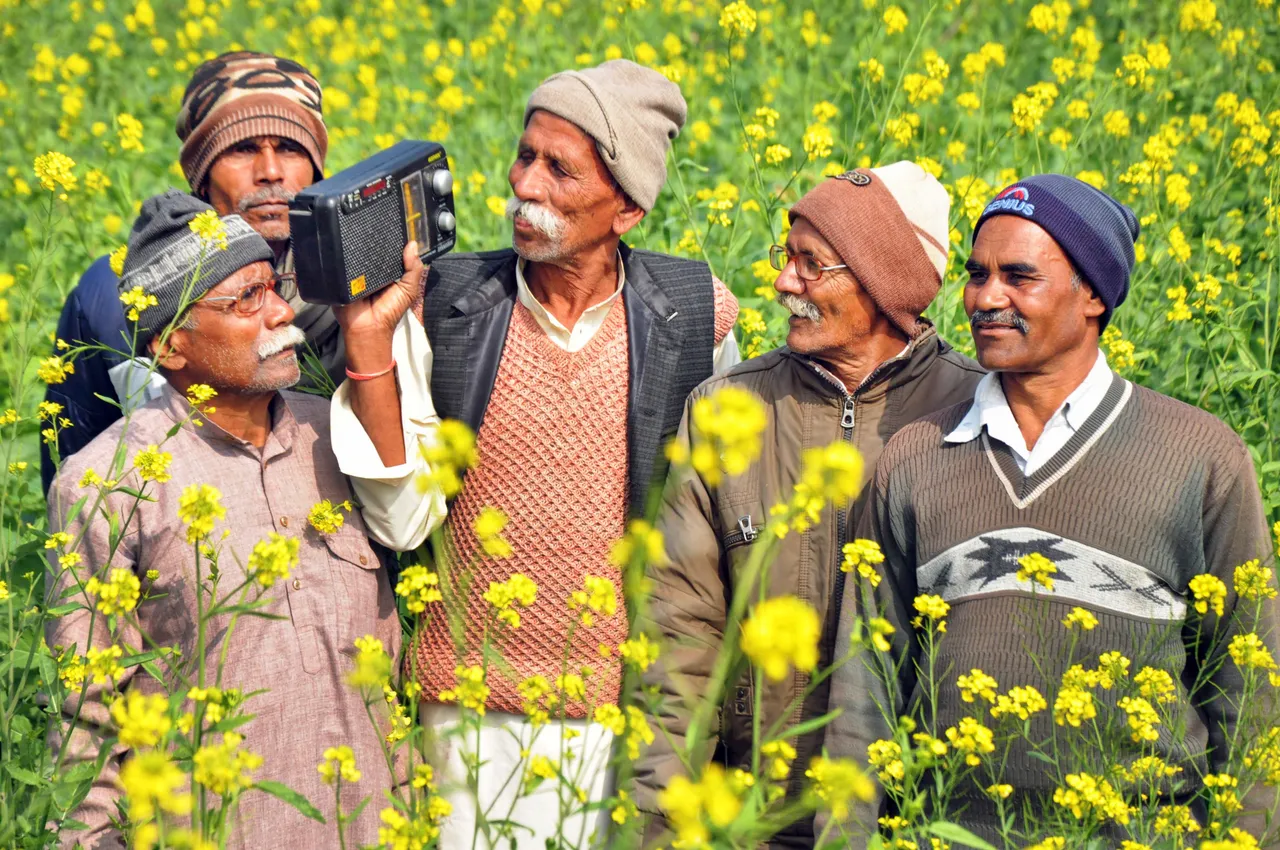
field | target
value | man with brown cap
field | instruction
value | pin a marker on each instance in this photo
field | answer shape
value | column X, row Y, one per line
column 865, row 256
column 252, row 136
column 571, row 355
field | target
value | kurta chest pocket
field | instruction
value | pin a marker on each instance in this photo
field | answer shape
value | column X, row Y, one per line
column 356, row 571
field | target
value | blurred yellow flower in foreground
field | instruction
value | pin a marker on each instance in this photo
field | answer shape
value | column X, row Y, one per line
column 151, row 782
column 836, row 782
column 690, row 806
column 119, row 593
column 782, row 633
column 143, row 719
column 724, row 434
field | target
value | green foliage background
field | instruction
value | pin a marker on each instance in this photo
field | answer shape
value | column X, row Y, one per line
column 1174, row 107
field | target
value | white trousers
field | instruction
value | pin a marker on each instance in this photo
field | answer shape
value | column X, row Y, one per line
column 507, row 745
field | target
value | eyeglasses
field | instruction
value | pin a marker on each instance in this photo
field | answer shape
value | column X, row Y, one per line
column 252, row 297
column 807, row 267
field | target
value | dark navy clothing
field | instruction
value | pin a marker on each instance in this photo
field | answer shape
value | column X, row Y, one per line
column 93, row 314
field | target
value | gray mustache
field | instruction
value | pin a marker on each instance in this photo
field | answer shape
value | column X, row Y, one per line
column 800, row 307
column 1007, row 316
column 266, row 195
column 543, row 219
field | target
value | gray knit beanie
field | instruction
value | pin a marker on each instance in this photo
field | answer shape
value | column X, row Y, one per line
column 164, row 252
column 631, row 111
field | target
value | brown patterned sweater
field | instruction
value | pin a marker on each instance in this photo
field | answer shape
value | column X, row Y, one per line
column 1149, row 493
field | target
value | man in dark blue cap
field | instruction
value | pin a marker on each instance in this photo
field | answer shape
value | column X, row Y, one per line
column 1077, row 534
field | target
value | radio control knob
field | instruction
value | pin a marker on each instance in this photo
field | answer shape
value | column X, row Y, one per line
column 445, row 222
column 442, row 182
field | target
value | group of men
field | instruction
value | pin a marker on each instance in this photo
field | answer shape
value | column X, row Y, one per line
column 574, row 356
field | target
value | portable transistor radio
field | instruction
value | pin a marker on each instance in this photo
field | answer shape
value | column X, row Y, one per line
column 349, row 231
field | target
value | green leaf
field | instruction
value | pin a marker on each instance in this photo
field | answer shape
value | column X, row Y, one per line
column 286, row 794
column 22, row 774
column 20, row 726
column 1044, row 758
column 957, row 834
column 64, row 610
column 140, row 658
column 172, row 431
column 813, row 724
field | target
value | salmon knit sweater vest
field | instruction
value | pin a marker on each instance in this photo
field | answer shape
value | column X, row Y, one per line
column 553, row 456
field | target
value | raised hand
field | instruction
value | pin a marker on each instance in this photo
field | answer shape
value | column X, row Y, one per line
column 377, row 316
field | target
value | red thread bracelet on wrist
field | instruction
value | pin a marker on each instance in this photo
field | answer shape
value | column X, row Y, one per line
column 362, row 376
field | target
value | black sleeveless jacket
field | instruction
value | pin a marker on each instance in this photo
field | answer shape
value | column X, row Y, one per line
column 670, row 330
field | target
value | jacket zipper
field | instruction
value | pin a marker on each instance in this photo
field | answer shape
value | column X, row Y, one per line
column 842, row 515
column 743, row 534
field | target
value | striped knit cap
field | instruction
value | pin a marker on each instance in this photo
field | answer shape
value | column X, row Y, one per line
column 242, row 95
column 164, row 252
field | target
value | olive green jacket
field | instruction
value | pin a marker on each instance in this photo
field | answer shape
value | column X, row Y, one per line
column 710, row 533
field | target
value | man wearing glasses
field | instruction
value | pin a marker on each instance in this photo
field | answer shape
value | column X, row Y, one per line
column 267, row 452
column 864, row 258
column 252, row 137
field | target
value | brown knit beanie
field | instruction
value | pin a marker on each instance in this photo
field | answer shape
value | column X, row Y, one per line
column 631, row 111
column 242, row 95
column 889, row 225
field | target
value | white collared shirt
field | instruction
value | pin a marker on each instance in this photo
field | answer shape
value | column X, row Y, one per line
column 724, row 357
column 990, row 410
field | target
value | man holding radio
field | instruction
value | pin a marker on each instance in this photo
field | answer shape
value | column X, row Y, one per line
column 570, row 354
column 252, row 136
column 263, row 455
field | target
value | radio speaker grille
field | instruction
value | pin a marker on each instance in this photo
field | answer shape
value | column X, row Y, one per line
column 369, row 246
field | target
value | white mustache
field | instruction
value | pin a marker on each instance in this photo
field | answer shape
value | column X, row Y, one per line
column 287, row 337
column 800, row 307
column 543, row 219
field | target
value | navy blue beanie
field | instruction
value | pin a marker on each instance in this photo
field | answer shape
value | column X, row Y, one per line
column 1095, row 230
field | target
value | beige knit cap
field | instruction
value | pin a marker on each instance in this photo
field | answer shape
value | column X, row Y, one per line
column 890, row 226
column 631, row 111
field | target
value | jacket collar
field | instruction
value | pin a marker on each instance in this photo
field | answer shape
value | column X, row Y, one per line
column 644, row 288
column 892, row 373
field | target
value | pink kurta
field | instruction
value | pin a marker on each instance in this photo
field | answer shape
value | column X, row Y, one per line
column 337, row 593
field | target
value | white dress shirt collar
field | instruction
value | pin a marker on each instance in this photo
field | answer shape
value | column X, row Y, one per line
column 990, row 410
column 588, row 323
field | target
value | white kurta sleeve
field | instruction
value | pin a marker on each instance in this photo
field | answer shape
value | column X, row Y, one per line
column 397, row 510
column 725, row 355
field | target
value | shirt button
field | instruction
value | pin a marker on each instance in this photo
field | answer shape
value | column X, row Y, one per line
column 363, row 560
column 284, row 521
column 297, row 584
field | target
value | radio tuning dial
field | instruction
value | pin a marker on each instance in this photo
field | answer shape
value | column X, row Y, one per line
column 445, row 222
column 442, row 182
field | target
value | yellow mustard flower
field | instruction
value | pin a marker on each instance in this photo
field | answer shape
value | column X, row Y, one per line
column 339, row 763
column 118, row 594
column 273, row 559
column 418, row 586
column 141, row 719
column 782, row 633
